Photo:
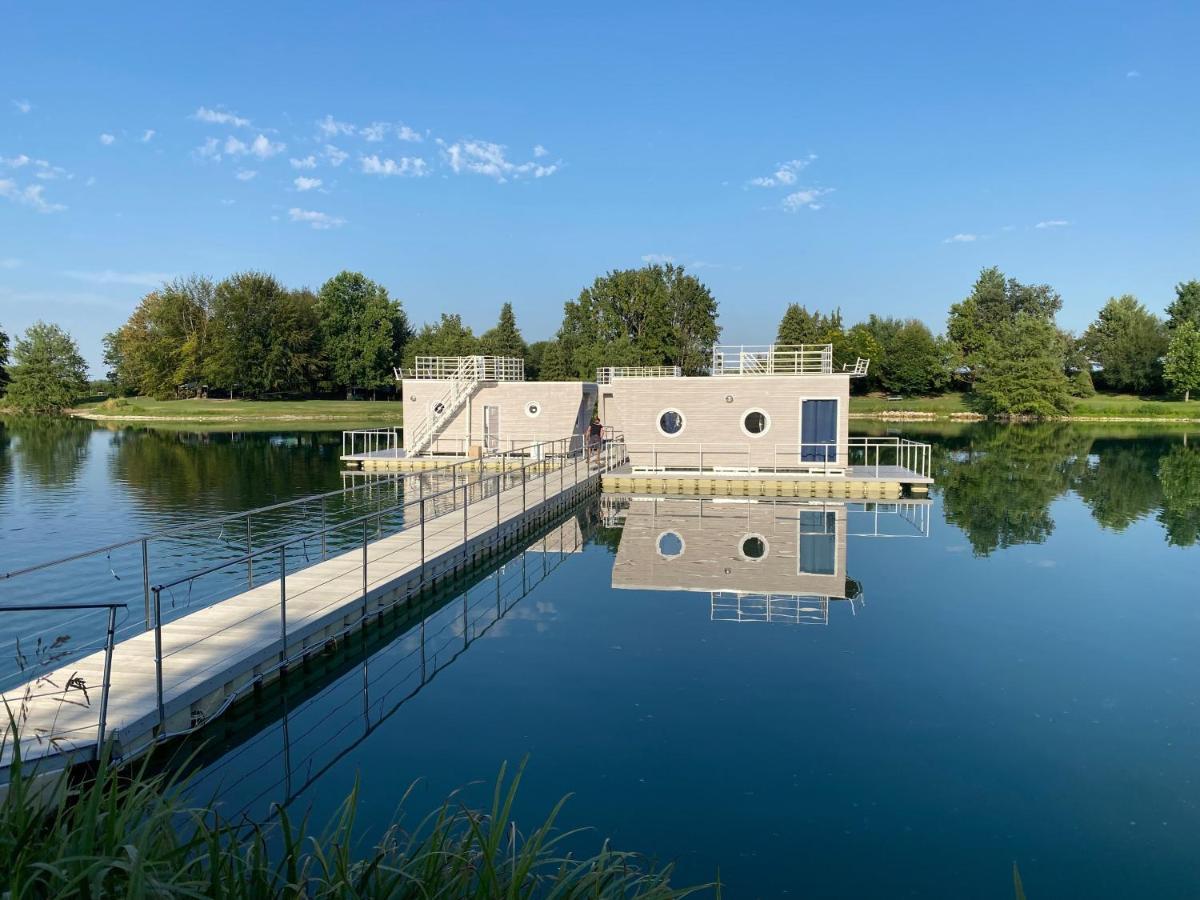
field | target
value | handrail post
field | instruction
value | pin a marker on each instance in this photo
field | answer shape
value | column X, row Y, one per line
column 324, row 554
column 158, row 662
column 466, row 502
column 108, row 655
column 283, row 606
column 498, row 487
column 364, row 583
column 249, row 554
column 422, row 516
column 146, row 577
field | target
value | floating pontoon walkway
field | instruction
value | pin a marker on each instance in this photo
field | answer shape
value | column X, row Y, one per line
column 172, row 678
column 854, row 482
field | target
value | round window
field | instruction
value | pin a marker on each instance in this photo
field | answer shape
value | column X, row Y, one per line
column 755, row 422
column 670, row 545
column 670, row 422
column 754, row 546
column 439, row 408
column 533, row 409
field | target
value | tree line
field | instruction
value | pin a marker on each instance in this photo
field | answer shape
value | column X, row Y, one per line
column 248, row 335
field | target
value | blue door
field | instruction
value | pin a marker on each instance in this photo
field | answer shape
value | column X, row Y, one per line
column 818, row 427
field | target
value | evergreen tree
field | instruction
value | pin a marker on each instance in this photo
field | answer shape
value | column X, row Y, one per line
column 1128, row 342
column 3, row 360
column 1019, row 371
column 505, row 338
column 1186, row 305
column 914, row 362
column 1182, row 369
column 449, row 337
column 363, row 332
column 48, row 373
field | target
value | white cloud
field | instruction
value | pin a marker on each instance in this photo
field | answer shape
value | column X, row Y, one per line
column 318, row 220
column 335, row 156
column 486, row 158
column 1053, row 223
column 404, row 133
column 261, row 146
column 785, row 173
column 1133, row 73
column 235, row 147
column 210, row 149
column 106, row 139
column 148, row 135
column 331, row 127
column 309, row 162
column 30, row 196
column 657, row 258
column 228, row 202
column 47, row 172
column 23, row 106
column 245, row 174
column 961, row 239
column 10, row 262
column 220, row 117
column 408, row 166
column 306, row 184
column 376, row 131
column 108, row 276
column 15, row 162
column 808, row 197
column 539, row 151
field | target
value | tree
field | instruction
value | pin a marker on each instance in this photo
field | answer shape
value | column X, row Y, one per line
column 991, row 308
column 363, row 332
column 1179, row 473
column 653, row 316
column 1128, row 342
column 449, row 337
column 554, row 366
column 161, row 351
column 1182, row 369
column 505, row 339
column 914, row 362
column 48, row 373
column 264, row 338
column 1186, row 305
column 799, row 326
column 1019, row 371
column 535, row 354
column 3, row 359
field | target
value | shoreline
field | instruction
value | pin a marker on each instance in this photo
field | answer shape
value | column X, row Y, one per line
column 922, row 416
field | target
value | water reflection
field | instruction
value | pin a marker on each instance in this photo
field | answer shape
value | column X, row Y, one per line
column 50, row 452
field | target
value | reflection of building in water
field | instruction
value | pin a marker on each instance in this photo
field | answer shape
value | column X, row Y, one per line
column 759, row 560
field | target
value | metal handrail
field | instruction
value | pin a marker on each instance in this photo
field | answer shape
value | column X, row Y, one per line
column 607, row 374
column 772, row 359
column 827, row 456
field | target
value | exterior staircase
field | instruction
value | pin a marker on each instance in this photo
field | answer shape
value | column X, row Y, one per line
column 464, row 381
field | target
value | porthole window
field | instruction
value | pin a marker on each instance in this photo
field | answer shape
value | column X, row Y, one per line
column 670, row 422
column 755, row 422
column 439, row 408
column 670, row 545
column 533, row 409
column 754, row 546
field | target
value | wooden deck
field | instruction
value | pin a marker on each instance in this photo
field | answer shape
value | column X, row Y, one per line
column 214, row 656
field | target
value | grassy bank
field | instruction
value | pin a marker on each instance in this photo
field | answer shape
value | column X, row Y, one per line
column 1101, row 406
column 211, row 410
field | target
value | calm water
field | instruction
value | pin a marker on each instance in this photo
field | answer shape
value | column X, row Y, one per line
column 1019, row 684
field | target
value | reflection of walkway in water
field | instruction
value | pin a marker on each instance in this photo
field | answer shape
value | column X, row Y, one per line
column 758, row 560
column 320, row 721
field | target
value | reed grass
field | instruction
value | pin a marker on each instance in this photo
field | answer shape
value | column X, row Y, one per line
column 134, row 834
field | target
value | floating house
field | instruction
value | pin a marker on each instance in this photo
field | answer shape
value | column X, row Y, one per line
column 771, row 419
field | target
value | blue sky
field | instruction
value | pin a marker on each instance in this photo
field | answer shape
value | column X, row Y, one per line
column 870, row 156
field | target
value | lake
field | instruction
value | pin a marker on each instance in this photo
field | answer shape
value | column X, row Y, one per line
column 819, row 700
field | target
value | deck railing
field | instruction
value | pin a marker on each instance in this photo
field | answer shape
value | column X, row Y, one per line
column 872, row 454
column 772, row 359
column 486, row 368
column 374, row 441
column 299, row 533
column 607, row 374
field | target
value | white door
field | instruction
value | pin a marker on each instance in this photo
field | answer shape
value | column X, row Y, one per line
column 491, row 428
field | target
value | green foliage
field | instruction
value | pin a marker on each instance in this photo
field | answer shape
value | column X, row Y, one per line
column 1186, row 305
column 534, row 355
column 1019, row 371
column 1182, row 368
column 363, row 332
column 162, row 350
column 504, row 339
column 3, row 359
column 264, row 339
column 48, row 373
column 449, row 337
column 993, row 305
column 914, row 361
column 1179, row 473
column 1128, row 342
column 554, row 365
column 653, row 316
column 799, row 326
column 134, row 834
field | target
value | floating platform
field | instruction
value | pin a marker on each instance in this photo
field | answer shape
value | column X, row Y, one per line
column 397, row 461
column 854, row 482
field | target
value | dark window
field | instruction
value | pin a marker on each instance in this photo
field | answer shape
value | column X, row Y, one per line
column 755, row 422
column 754, row 547
column 671, row 422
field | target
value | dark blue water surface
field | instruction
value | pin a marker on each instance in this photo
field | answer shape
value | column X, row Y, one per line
column 1018, row 684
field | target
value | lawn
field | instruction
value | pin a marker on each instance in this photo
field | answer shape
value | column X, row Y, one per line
column 246, row 410
column 1115, row 406
column 942, row 404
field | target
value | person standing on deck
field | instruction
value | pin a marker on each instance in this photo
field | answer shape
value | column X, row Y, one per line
column 595, row 432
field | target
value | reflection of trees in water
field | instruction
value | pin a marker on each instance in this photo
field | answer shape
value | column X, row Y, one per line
column 50, row 450
column 226, row 472
column 998, row 481
column 1179, row 472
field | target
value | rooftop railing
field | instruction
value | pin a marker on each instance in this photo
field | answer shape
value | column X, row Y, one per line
column 607, row 374
column 772, row 359
column 485, row 368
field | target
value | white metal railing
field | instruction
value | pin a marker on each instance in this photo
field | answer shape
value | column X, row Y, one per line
column 487, row 368
column 772, row 359
column 791, row 609
column 606, row 374
column 464, row 381
column 875, row 456
column 379, row 442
